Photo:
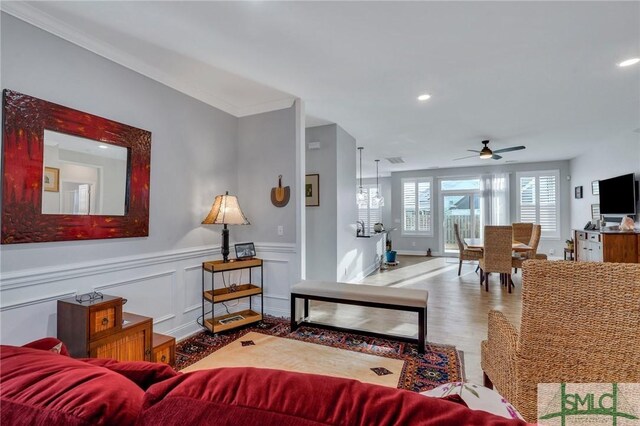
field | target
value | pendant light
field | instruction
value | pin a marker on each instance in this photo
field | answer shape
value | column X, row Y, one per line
column 378, row 199
column 361, row 196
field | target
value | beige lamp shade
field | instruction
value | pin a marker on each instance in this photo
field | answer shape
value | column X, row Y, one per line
column 226, row 211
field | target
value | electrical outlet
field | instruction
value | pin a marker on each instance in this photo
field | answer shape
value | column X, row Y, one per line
column 552, row 251
column 413, row 243
column 280, row 230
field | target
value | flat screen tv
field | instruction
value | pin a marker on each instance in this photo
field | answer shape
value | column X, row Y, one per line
column 618, row 195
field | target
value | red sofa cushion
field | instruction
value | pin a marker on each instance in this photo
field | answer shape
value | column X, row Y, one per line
column 142, row 373
column 48, row 344
column 235, row 396
column 41, row 387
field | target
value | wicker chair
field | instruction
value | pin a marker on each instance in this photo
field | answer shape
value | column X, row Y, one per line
column 580, row 324
column 465, row 253
column 522, row 232
column 496, row 257
column 517, row 260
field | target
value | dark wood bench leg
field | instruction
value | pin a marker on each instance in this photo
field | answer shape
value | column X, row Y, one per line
column 306, row 308
column 486, row 381
column 294, row 322
column 422, row 329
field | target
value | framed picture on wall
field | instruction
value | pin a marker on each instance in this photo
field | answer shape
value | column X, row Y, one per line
column 51, row 179
column 578, row 192
column 595, row 211
column 312, row 190
column 595, row 187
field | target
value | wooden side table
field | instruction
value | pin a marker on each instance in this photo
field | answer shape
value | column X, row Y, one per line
column 98, row 328
column 212, row 295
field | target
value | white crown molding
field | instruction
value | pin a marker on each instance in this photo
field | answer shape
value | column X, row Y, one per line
column 265, row 107
column 34, row 16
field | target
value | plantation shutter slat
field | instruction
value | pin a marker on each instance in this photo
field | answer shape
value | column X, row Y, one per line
column 538, row 201
column 417, row 215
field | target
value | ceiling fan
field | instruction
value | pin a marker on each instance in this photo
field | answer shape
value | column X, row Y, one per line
column 486, row 153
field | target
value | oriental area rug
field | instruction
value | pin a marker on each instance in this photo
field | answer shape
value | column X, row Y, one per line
column 271, row 344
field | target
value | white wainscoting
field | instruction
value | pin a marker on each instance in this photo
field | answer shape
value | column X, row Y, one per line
column 165, row 285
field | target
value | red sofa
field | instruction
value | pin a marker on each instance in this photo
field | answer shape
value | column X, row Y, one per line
column 39, row 387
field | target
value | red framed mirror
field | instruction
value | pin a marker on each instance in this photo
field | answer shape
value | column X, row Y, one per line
column 27, row 180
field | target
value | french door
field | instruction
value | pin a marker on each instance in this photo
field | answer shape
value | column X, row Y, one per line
column 460, row 203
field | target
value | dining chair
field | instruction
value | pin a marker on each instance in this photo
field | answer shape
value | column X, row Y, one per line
column 498, row 244
column 522, row 232
column 465, row 253
column 519, row 258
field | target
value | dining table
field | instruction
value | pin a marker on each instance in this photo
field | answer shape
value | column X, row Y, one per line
column 478, row 243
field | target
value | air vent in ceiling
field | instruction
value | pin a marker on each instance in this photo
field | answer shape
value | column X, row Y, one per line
column 395, row 160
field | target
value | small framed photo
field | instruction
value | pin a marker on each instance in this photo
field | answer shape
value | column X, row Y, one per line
column 578, row 192
column 595, row 211
column 595, row 187
column 312, row 190
column 245, row 251
column 51, row 179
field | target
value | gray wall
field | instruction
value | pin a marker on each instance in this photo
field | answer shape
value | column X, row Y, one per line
column 423, row 243
column 322, row 221
column 333, row 250
column 193, row 152
column 620, row 156
column 197, row 152
column 266, row 144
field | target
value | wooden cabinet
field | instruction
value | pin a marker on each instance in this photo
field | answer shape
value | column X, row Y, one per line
column 132, row 343
column 228, row 291
column 99, row 329
column 164, row 349
column 620, row 247
column 608, row 246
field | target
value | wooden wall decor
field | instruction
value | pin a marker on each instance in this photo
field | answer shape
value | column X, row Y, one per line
column 280, row 195
column 25, row 119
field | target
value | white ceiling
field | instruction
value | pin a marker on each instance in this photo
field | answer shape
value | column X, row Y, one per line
column 539, row 74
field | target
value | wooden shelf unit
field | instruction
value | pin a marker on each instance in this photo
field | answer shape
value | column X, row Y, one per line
column 213, row 295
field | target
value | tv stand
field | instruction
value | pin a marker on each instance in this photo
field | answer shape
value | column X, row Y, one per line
column 607, row 246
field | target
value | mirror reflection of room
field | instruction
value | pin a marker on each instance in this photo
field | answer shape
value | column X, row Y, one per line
column 83, row 176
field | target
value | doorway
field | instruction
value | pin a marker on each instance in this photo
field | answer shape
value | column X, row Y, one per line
column 461, row 203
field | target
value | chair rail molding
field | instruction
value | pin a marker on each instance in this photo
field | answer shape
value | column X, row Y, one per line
column 164, row 285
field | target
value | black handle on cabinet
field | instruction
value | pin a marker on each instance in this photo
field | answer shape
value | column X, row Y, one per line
column 163, row 359
column 147, row 352
column 105, row 321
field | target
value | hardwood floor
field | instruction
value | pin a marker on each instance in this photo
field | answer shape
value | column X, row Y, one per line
column 457, row 306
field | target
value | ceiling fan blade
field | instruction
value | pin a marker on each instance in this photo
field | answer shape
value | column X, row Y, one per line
column 496, row 157
column 462, row 158
column 513, row 148
column 473, row 150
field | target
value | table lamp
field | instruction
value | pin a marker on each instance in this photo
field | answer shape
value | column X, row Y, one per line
column 225, row 211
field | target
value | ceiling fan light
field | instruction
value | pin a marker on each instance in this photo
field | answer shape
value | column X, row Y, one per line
column 486, row 153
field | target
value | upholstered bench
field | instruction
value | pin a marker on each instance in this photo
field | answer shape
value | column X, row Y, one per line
column 399, row 299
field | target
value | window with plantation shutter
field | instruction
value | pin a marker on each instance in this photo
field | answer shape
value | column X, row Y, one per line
column 417, row 218
column 538, row 200
column 370, row 213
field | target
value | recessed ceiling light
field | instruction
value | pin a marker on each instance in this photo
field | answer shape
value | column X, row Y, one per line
column 103, row 146
column 424, row 97
column 628, row 62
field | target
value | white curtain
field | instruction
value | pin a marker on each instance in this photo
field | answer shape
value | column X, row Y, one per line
column 495, row 198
